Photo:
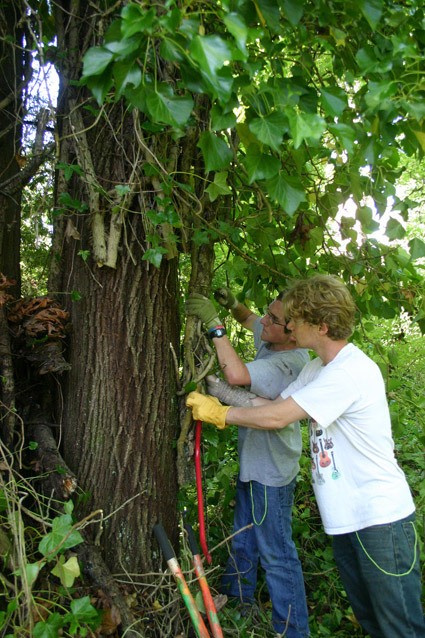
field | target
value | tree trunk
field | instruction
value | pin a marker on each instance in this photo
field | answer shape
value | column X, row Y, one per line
column 119, row 405
column 123, row 398
column 12, row 68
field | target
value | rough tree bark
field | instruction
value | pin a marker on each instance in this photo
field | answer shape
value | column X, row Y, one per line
column 12, row 68
column 118, row 407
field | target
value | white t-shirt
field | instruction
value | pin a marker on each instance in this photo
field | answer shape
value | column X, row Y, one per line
column 356, row 479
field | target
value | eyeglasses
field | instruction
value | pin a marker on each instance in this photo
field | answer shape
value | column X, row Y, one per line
column 274, row 320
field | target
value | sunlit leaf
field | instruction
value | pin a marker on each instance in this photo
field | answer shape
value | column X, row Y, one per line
column 417, row 248
column 270, row 129
column 155, row 255
column 211, row 52
column 238, row 29
column 219, row 186
column 334, row 101
column 305, row 126
column 395, row 230
column 67, row 571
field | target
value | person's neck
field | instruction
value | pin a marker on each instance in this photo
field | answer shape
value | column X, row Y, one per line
column 330, row 350
column 279, row 347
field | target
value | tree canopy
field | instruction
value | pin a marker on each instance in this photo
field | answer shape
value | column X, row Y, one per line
column 313, row 108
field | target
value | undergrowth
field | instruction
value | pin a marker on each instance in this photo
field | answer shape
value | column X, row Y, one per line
column 43, row 593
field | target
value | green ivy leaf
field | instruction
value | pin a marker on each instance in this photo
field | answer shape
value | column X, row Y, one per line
column 378, row 93
column 201, row 238
column 287, row 191
column 270, row 129
column 32, row 571
column 334, row 101
column 365, row 216
column 221, row 121
column 305, row 126
column 238, row 29
column 210, row 52
column 219, row 186
column 168, row 108
column 61, row 537
column 155, row 255
column 394, row 230
column 293, row 10
column 83, row 611
column 136, row 19
column 67, row 571
column 49, row 628
column 372, row 11
column 216, row 153
column 260, row 166
column 269, row 10
column 125, row 74
column 417, row 248
column 96, row 60
column 346, row 135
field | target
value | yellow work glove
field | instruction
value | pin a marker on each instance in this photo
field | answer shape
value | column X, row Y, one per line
column 209, row 409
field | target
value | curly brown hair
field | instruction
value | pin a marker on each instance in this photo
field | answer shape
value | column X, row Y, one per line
column 321, row 299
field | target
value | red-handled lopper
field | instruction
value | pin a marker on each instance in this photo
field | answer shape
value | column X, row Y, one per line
column 169, row 555
column 203, row 584
column 198, row 473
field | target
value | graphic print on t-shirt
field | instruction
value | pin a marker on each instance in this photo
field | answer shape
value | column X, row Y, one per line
column 335, row 472
column 320, row 459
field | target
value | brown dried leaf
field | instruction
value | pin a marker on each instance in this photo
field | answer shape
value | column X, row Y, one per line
column 111, row 619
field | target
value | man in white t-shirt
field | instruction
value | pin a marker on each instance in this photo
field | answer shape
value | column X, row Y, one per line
column 362, row 493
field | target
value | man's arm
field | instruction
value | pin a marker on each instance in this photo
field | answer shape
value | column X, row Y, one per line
column 266, row 415
column 234, row 369
column 244, row 316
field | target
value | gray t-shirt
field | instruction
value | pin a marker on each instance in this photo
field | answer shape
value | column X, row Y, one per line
column 271, row 457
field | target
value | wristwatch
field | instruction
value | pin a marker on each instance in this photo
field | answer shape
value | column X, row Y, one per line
column 217, row 332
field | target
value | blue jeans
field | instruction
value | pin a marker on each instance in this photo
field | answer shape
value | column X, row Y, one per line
column 379, row 567
column 268, row 541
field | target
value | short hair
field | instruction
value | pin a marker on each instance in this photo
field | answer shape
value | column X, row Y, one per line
column 321, row 299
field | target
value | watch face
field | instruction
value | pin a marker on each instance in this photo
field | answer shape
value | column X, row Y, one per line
column 218, row 332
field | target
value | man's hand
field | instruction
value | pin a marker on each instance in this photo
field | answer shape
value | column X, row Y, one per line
column 206, row 408
column 226, row 298
column 201, row 307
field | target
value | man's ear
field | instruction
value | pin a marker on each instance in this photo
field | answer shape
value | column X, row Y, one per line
column 323, row 328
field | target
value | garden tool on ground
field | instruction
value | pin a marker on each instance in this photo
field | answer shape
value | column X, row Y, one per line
column 172, row 562
column 209, row 604
column 198, row 473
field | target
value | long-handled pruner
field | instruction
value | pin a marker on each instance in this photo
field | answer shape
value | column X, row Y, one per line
column 203, row 585
column 198, row 473
column 168, row 552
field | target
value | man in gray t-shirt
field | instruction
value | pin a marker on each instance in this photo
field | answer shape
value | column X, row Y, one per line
column 269, row 463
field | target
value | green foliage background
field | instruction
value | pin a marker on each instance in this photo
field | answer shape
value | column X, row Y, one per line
column 300, row 106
